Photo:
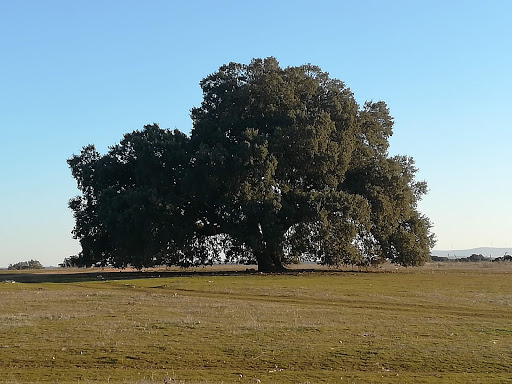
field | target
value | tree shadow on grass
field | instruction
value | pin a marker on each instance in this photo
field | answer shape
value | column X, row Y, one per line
column 99, row 275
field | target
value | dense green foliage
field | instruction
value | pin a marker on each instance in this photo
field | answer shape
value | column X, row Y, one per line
column 31, row 264
column 281, row 166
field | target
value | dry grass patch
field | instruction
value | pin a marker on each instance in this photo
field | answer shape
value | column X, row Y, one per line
column 428, row 325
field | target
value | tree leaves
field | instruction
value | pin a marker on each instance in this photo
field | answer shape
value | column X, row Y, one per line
column 281, row 166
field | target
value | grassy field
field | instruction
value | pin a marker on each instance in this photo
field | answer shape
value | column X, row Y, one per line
column 449, row 323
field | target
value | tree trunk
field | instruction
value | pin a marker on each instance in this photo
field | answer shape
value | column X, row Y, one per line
column 270, row 260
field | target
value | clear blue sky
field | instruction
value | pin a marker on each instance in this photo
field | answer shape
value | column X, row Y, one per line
column 80, row 72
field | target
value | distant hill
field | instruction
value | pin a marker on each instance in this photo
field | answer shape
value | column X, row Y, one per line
column 485, row 251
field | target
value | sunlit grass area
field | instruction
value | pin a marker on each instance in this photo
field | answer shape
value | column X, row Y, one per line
column 441, row 323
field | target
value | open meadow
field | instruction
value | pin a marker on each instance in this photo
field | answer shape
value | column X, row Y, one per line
column 448, row 323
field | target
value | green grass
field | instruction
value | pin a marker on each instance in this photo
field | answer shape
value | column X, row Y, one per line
column 441, row 323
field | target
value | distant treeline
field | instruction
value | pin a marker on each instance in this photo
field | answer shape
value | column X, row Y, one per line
column 31, row 264
column 473, row 258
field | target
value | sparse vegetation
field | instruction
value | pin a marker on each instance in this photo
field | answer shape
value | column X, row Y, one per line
column 474, row 258
column 503, row 258
column 446, row 322
column 70, row 262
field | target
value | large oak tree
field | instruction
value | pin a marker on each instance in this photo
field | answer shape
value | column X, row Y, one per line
column 282, row 166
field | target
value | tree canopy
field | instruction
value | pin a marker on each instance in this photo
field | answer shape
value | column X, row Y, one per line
column 22, row 265
column 281, row 166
